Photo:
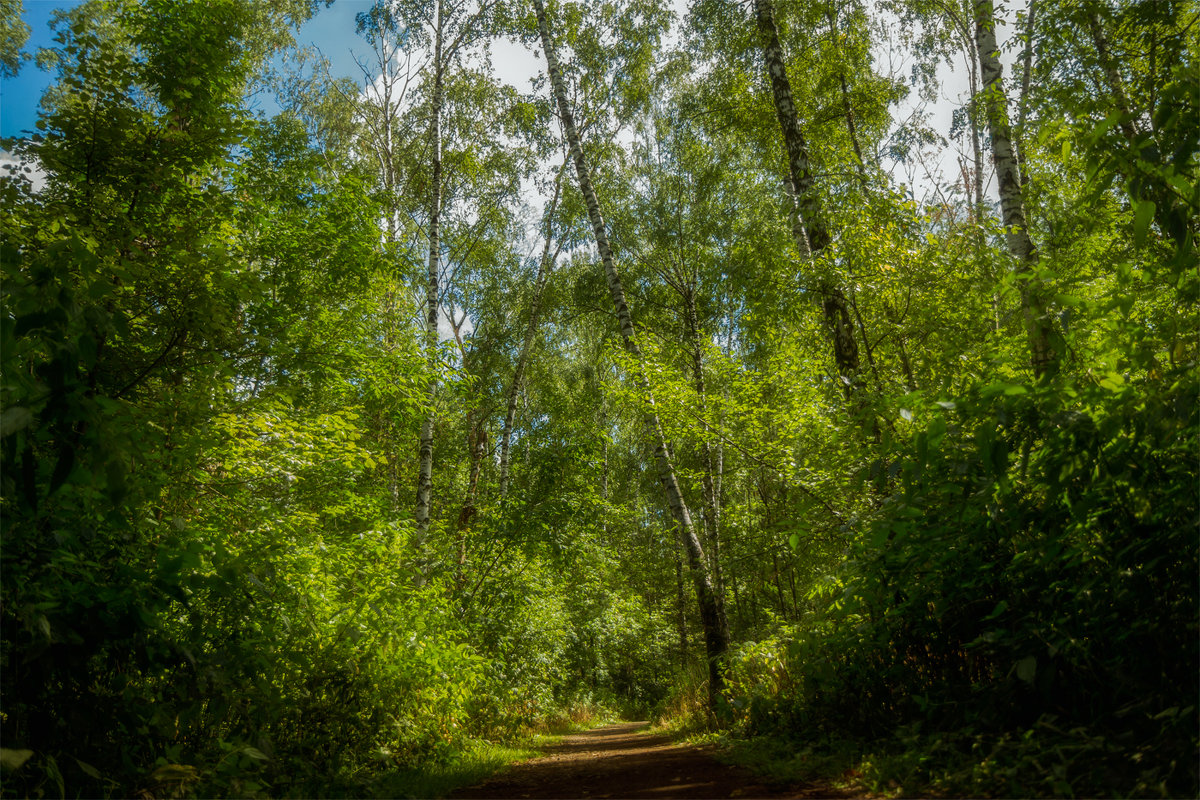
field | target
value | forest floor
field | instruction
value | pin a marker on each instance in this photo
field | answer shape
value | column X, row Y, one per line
column 625, row 761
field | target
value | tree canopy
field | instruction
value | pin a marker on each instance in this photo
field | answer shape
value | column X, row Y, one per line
column 337, row 441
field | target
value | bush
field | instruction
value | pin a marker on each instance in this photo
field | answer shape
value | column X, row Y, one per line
column 1031, row 587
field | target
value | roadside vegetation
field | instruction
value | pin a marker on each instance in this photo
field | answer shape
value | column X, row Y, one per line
column 346, row 448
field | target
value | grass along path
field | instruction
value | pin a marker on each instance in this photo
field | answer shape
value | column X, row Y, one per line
column 625, row 761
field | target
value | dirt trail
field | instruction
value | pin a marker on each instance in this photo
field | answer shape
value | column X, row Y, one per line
column 621, row 761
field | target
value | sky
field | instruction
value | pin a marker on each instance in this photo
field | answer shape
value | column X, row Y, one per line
column 332, row 31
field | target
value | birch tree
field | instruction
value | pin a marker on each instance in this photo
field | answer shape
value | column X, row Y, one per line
column 1008, row 178
column 716, row 632
column 810, row 231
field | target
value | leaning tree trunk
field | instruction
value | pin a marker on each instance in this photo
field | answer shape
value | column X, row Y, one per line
column 811, row 234
column 425, row 467
column 1127, row 122
column 545, row 267
column 716, row 635
column 1008, row 179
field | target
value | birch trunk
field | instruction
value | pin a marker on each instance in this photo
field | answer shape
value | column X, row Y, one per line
column 1008, row 179
column 425, row 466
column 976, row 149
column 545, row 267
column 716, row 635
column 477, row 438
column 815, row 233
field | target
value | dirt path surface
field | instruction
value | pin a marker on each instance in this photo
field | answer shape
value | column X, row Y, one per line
column 622, row 761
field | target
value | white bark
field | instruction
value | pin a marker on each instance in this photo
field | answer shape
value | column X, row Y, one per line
column 425, row 465
column 716, row 635
column 1008, row 180
column 809, row 230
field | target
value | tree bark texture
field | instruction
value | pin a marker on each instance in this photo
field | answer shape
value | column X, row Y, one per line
column 716, row 635
column 808, row 207
column 1111, row 76
column 1008, row 179
column 425, row 465
column 1026, row 82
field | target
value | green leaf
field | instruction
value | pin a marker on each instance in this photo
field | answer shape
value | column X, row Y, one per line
column 255, row 753
column 174, row 773
column 1000, row 387
column 1143, row 213
column 1027, row 669
column 12, row 759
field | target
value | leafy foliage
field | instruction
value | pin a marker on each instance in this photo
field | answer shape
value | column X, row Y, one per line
column 939, row 571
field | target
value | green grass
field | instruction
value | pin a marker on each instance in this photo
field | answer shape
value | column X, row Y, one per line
column 480, row 760
column 470, row 766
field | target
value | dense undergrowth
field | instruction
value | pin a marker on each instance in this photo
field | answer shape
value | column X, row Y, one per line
column 1020, row 621
column 945, row 569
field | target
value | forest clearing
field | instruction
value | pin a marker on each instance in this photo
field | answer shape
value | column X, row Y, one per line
column 815, row 379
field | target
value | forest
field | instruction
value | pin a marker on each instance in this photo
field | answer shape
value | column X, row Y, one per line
column 377, row 431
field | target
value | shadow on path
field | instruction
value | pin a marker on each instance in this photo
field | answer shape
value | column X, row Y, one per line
column 621, row 761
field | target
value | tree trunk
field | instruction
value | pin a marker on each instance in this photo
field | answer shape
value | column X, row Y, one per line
column 425, row 466
column 545, row 267
column 716, row 635
column 712, row 500
column 1113, row 78
column 680, row 605
column 816, row 234
column 1040, row 330
column 976, row 149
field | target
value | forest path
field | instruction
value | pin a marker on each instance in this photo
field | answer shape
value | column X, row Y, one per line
column 622, row 761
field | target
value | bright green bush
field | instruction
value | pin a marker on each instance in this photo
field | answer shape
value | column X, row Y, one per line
column 1032, row 584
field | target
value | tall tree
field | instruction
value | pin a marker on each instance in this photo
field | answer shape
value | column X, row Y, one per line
column 1008, row 178
column 812, row 233
column 716, row 631
column 425, row 453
